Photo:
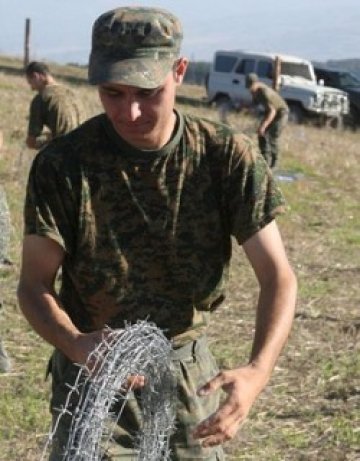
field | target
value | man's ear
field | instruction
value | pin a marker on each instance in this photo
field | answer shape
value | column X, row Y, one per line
column 180, row 69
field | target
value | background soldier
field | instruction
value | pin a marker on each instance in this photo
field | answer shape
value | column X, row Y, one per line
column 274, row 120
column 56, row 107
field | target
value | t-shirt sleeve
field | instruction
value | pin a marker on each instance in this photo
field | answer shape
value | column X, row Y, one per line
column 47, row 213
column 253, row 197
column 36, row 123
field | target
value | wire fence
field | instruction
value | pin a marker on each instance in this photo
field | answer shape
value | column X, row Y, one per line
column 138, row 350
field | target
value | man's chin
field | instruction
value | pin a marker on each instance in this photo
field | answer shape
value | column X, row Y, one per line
column 140, row 140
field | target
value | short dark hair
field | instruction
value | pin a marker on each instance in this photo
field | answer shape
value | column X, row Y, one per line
column 37, row 67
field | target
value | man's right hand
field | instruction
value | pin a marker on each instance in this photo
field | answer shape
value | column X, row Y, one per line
column 91, row 349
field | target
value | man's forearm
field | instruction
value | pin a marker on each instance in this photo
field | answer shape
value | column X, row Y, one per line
column 43, row 311
column 275, row 314
column 267, row 120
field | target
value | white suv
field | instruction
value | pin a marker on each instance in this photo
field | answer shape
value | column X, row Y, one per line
column 297, row 84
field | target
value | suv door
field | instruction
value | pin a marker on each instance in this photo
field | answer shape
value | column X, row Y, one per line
column 264, row 70
column 220, row 75
column 226, row 83
column 239, row 92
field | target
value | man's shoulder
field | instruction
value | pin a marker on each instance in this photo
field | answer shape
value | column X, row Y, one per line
column 270, row 95
column 216, row 139
column 207, row 128
column 58, row 91
column 265, row 89
column 55, row 88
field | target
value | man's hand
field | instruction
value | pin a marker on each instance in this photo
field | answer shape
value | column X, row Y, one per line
column 87, row 346
column 91, row 349
column 275, row 313
column 242, row 386
column 37, row 142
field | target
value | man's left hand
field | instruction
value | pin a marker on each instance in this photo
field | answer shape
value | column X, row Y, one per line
column 242, row 386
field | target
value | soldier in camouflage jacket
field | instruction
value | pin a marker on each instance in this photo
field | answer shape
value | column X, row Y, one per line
column 138, row 207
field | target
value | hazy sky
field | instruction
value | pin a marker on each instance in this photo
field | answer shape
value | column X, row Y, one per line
column 313, row 29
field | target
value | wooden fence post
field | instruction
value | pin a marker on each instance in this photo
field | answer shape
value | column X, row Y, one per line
column 277, row 72
column 26, row 42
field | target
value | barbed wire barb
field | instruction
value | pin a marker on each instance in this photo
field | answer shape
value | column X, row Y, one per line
column 140, row 349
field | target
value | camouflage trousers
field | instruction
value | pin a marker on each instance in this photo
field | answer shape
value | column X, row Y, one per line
column 269, row 143
column 193, row 364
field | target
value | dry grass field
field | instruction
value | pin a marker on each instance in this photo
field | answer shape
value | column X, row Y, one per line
column 310, row 410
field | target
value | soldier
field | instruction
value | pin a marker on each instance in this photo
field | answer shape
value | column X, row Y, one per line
column 138, row 207
column 274, row 120
column 55, row 108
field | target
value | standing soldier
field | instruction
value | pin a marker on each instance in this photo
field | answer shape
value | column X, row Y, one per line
column 138, row 207
column 274, row 120
column 55, row 107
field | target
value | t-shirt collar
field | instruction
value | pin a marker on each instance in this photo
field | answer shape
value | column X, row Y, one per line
column 131, row 152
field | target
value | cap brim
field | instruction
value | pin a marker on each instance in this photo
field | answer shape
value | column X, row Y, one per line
column 142, row 73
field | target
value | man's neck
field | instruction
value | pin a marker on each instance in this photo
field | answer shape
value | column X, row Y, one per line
column 50, row 80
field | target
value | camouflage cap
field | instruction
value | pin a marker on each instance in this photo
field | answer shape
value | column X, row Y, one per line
column 134, row 46
column 250, row 79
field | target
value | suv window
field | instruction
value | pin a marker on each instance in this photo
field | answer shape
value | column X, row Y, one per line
column 245, row 66
column 265, row 69
column 337, row 79
column 347, row 79
column 294, row 69
column 320, row 75
column 224, row 63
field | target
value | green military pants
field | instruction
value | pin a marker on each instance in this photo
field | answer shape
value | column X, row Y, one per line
column 193, row 364
column 269, row 143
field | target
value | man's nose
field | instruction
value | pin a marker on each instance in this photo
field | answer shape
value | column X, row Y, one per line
column 132, row 109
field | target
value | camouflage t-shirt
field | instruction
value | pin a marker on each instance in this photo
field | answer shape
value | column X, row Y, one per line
column 56, row 107
column 267, row 97
column 147, row 234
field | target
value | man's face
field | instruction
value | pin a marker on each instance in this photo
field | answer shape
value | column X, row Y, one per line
column 35, row 81
column 144, row 118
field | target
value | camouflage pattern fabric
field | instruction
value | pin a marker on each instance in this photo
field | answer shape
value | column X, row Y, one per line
column 134, row 46
column 57, row 108
column 147, row 235
column 193, row 365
